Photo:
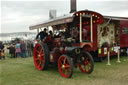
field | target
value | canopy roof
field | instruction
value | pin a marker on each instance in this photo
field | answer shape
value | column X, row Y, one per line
column 68, row 18
column 58, row 20
column 116, row 18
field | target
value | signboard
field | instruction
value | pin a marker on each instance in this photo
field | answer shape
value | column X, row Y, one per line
column 105, row 50
column 124, row 30
column 116, row 48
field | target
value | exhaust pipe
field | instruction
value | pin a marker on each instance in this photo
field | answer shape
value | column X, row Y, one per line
column 72, row 6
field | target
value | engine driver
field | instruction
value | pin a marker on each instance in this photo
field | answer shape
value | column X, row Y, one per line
column 42, row 34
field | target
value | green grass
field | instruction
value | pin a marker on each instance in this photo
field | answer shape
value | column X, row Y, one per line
column 21, row 71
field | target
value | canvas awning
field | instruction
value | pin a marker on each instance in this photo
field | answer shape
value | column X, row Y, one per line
column 59, row 20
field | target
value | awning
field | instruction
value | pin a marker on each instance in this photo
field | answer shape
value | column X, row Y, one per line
column 59, row 20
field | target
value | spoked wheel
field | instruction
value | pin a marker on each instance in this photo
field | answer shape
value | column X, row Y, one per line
column 40, row 57
column 65, row 66
column 87, row 63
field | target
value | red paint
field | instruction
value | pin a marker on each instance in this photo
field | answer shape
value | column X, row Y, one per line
column 94, row 14
column 39, row 57
column 123, row 37
column 64, row 67
column 55, row 57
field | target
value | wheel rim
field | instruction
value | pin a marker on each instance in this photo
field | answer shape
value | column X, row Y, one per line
column 64, row 67
column 39, row 58
column 86, row 64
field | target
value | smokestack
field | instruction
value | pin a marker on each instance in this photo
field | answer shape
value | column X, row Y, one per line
column 52, row 14
column 72, row 6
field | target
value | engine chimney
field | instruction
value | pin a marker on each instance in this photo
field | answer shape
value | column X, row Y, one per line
column 73, row 6
column 52, row 14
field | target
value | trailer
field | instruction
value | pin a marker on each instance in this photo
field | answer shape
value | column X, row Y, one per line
column 110, row 36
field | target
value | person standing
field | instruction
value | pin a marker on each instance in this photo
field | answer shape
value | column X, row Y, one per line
column 12, row 51
column 18, row 49
column 32, row 46
column 2, row 51
column 29, row 52
column 23, row 49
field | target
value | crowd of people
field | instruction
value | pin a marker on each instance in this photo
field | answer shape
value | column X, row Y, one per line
column 21, row 49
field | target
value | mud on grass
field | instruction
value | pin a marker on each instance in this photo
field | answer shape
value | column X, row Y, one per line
column 21, row 71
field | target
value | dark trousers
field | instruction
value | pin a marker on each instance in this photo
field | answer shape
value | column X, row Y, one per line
column 23, row 53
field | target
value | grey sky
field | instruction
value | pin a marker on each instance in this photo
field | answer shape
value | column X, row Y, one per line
column 17, row 16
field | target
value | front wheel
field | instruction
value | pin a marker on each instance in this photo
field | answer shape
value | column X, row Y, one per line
column 87, row 63
column 65, row 66
column 40, row 56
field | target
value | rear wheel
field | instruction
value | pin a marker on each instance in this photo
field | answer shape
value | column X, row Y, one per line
column 40, row 56
column 87, row 63
column 65, row 66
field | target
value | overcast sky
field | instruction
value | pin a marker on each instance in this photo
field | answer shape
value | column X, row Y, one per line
column 17, row 16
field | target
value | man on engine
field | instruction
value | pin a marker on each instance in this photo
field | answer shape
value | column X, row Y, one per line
column 42, row 34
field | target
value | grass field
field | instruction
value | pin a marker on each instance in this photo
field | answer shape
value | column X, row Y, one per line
column 21, row 71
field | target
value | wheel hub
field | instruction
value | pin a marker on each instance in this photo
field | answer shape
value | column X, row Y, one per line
column 63, row 66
